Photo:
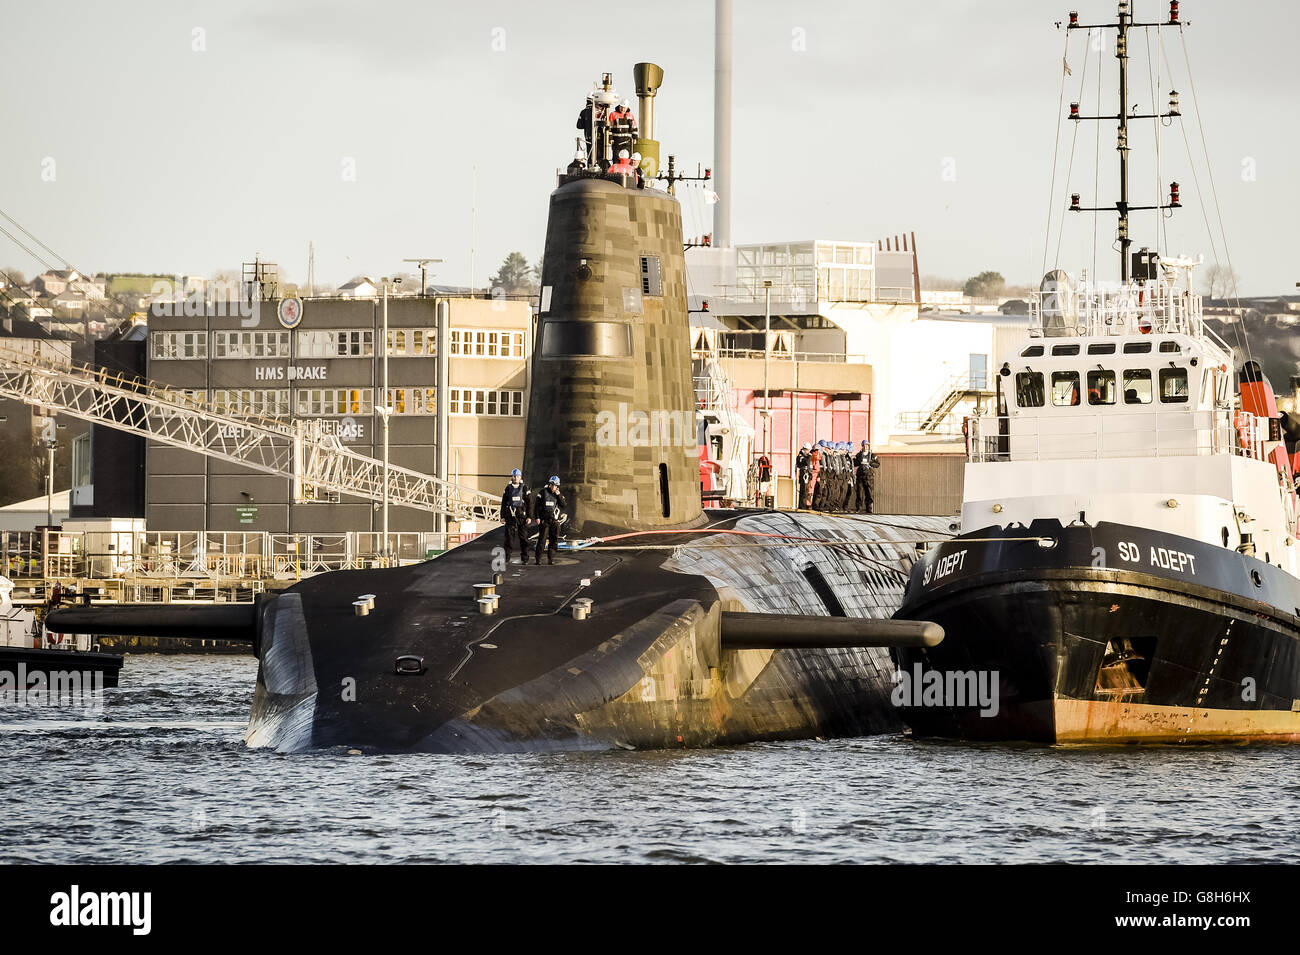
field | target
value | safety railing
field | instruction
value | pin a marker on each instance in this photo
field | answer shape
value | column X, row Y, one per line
column 1103, row 434
column 1099, row 309
column 758, row 353
column 208, row 561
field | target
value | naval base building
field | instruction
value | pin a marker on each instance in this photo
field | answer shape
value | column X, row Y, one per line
column 324, row 361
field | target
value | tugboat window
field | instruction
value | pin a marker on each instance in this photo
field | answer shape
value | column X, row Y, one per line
column 1137, row 348
column 1065, row 349
column 1173, row 385
column 1101, row 348
column 1137, row 386
column 1065, row 388
column 1029, row 389
column 1169, row 347
column 1101, row 387
column 1033, row 351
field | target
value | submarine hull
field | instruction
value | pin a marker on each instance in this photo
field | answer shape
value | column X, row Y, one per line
column 426, row 671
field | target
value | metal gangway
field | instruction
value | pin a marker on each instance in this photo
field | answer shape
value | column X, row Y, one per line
column 301, row 450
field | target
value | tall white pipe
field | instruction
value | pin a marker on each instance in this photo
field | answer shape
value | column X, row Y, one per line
column 384, row 412
column 722, row 125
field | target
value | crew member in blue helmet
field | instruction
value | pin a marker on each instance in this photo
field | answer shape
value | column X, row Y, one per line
column 514, row 515
column 548, row 506
column 863, row 462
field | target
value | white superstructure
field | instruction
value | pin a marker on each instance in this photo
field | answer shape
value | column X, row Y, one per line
column 1121, row 406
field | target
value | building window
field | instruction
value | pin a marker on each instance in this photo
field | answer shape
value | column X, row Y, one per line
column 336, row 343
column 413, row 401
column 179, row 346
column 333, row 401
column 232, row 344
column 267, row 402
column 486, row 402
column 485, row 343
column 412, row 342
column 81, row 460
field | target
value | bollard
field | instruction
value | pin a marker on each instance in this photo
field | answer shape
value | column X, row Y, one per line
column 360, row 608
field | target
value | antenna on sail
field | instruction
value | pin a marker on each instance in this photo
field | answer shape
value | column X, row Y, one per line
column 1122, row 206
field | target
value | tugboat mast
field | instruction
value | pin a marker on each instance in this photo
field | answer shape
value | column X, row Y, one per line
column 1125, row 18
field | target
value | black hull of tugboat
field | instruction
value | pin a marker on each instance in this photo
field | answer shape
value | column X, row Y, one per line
column 1114, row 634
column 22, row 660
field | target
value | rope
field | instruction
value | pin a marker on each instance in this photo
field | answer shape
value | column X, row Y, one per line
column 813, row 542
column 1073, row 142
column 29, row 235
column 1056, row 151
column 1158, row 128
column 1214, row 191
column 1096, row 171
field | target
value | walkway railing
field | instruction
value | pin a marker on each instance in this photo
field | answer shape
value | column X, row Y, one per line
column 1112, row 434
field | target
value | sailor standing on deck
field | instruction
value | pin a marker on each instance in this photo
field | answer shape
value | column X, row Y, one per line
column 514, row 514
column 803, row 467
column 863, row 462
column 548, row 504
column 815, row 467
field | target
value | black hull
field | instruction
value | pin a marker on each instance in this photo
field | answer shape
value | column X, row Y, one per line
column 50, row 661
column 1159, row 650
column 646, row 670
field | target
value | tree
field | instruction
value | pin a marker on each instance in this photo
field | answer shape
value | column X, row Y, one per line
column 985, row 285
column 515, row 275
column 1220, row 281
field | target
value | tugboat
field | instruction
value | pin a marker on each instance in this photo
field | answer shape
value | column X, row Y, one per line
column 1127, row 569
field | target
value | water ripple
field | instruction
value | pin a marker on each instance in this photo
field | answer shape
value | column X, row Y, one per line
column 162, row 775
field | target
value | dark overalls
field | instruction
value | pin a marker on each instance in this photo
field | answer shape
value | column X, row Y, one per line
column 514, row 514
column 548, row 503
column 863, row 462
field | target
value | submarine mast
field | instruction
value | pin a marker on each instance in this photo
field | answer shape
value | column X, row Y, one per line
column 612, row 412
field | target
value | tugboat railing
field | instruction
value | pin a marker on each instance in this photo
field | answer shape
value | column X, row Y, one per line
column 1090, row 309
column 994, row 438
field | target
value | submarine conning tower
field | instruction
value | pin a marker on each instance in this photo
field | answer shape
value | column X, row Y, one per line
column 612, row 407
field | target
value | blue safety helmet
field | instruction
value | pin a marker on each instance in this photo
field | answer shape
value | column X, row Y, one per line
column 555, row 479
column 516, row 473
column 866, row 443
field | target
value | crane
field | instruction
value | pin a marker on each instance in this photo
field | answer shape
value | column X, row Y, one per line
column 301, row 450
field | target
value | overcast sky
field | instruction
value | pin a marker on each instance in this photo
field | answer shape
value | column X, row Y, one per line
column 185, row 137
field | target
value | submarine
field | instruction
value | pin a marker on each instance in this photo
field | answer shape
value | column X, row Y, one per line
column 660, row 624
